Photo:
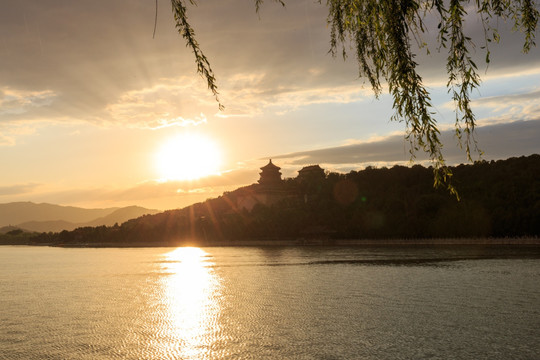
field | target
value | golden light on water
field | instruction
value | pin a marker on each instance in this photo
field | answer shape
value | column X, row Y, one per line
column 191, row 297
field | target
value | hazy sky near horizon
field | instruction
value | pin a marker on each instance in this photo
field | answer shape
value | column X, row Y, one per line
column 88, row 99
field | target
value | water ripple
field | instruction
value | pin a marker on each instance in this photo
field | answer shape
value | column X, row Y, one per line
column 226, row 303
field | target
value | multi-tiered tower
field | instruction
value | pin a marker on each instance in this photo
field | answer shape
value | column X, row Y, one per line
column 270, row 175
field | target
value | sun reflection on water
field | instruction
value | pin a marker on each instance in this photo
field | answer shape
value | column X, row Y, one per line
column 191, row 297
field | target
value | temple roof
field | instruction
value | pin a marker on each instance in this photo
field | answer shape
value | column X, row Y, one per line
column 311, row 168
column 270, row 175
column 270, row 166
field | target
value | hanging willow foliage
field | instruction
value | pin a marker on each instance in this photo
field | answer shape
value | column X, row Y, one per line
column 382, row 33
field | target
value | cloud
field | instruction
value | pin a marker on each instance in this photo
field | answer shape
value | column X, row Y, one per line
column 512, row 107
column 509, row 99
column 86, row 53
column 497, row 141
column 18, row 189
column 159, row 106
column 16, row 102
column 10, row 132
column 178, row 121
column 97, row 61
column 251, row 99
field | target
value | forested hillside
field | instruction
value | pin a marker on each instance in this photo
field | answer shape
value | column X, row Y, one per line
column 498, row 199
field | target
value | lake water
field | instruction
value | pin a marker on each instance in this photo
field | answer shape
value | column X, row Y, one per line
column 269, row 303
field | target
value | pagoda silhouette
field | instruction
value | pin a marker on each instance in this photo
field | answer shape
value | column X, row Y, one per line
column 271, row 189
column 270, row 176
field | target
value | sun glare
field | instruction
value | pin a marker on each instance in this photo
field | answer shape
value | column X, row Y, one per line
column 188, row 157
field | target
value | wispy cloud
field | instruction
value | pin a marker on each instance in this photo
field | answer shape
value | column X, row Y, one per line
column 248, row 94
column 9, row 132
column 160, row 106
column 497, row 141
column 15, row 102
column 524, row 106
column 177, row 122
column 18, row 189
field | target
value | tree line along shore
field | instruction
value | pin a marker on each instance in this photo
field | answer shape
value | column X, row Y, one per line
column 499, row 205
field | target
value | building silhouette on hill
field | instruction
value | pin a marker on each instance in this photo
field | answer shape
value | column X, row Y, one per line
column 311, row 172
column 270, row 176
column 271, row 188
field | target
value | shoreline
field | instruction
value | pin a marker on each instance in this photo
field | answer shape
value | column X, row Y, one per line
column 496, row 242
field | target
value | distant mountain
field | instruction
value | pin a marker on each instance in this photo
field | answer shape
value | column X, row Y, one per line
column 46, row 226
column 121, row 215
column 6, row 229
column 49, row 217
column 19, row 212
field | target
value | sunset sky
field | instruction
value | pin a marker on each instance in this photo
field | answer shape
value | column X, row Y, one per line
column 94, row 112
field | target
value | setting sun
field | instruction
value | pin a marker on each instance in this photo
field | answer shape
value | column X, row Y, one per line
column 188, row 157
